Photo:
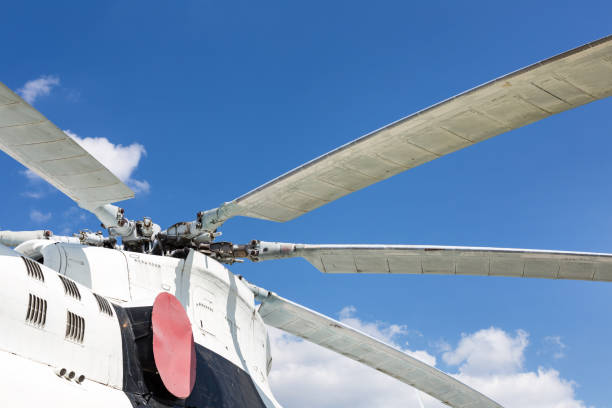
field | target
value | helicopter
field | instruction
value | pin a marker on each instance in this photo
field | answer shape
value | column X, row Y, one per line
column 160, row 321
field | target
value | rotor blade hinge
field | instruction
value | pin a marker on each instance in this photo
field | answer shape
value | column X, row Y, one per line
column 261, row 250
column 136, row 236
column 210, row 220
column 228, row 252
column 225, row 252
column 275, row 250
column 261, row 294
column 95, row 239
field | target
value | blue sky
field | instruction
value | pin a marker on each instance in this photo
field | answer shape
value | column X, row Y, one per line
column 223, row 97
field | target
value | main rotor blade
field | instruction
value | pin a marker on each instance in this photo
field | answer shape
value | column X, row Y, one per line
column 31, row 139
column 334, row 335
column 446, row 260
column 557, row 84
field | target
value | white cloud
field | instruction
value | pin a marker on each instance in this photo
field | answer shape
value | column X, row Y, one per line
column 490, row 360
column 542, row 389
column 305, row 375
column 381, row 331
column 35, row 88
column 488, row 351
column 326, row 379
column 119, row 159
column 38, row 216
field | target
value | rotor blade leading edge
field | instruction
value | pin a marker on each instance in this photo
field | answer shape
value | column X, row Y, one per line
column 334, row 335
column 446, row 260
column 31, row 139
column 563, row 82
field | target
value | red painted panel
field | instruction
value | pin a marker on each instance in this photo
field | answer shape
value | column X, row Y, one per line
column 173, row 347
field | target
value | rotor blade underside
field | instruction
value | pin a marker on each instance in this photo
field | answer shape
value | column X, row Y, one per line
column 333, row 335
column 31, row 139
column 449, row 260
column 557, row 84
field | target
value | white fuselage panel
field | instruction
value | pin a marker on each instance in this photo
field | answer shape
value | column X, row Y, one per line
column 29, row 384
column 220, row 306
column 58, row 323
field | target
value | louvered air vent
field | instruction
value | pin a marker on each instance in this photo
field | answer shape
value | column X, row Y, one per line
column 104, row 305
column 75, row 327
column 37, row 311
column 33, row 269
column 70, row 288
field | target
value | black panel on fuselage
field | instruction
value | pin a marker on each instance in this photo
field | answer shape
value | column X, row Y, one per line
column 219, row 383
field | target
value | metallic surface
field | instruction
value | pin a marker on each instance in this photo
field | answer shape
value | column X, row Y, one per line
column 334, row 335
column 446, row 260
column 27, row 383
column 563, row 82
column 15, row 238
column 231, row 341
column 31, row 139
column 57, row 326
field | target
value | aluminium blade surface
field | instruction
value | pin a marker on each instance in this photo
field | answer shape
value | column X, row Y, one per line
column 557, row 84
column 334, row 335
column 447, row 260
column 31, row 139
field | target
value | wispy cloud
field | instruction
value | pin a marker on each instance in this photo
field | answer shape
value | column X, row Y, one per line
column 35, row 183
column 139, row 186
column 38, row 87
column 72, row 220
column 33, row 194
column 490, row 360
column 556, row 346
column 37, row 187
column 38, row 216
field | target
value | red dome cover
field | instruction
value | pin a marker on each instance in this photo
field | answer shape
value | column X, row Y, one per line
column 173, row 346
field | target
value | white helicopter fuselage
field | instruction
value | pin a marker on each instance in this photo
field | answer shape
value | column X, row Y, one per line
column 63, row 343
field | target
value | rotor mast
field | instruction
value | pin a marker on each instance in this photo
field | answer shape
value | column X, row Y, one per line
column 203, row 229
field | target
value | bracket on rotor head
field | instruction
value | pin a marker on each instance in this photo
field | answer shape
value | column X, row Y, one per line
column 202, row 230
column 229, row 253
column 136, row 236
column 95, row 239
column 255, row 251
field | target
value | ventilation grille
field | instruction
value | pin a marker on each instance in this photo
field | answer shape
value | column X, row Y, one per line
column 33, row 269
column 104, row 305
column 37, row 311
column 75, row 327
column 70, row 288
